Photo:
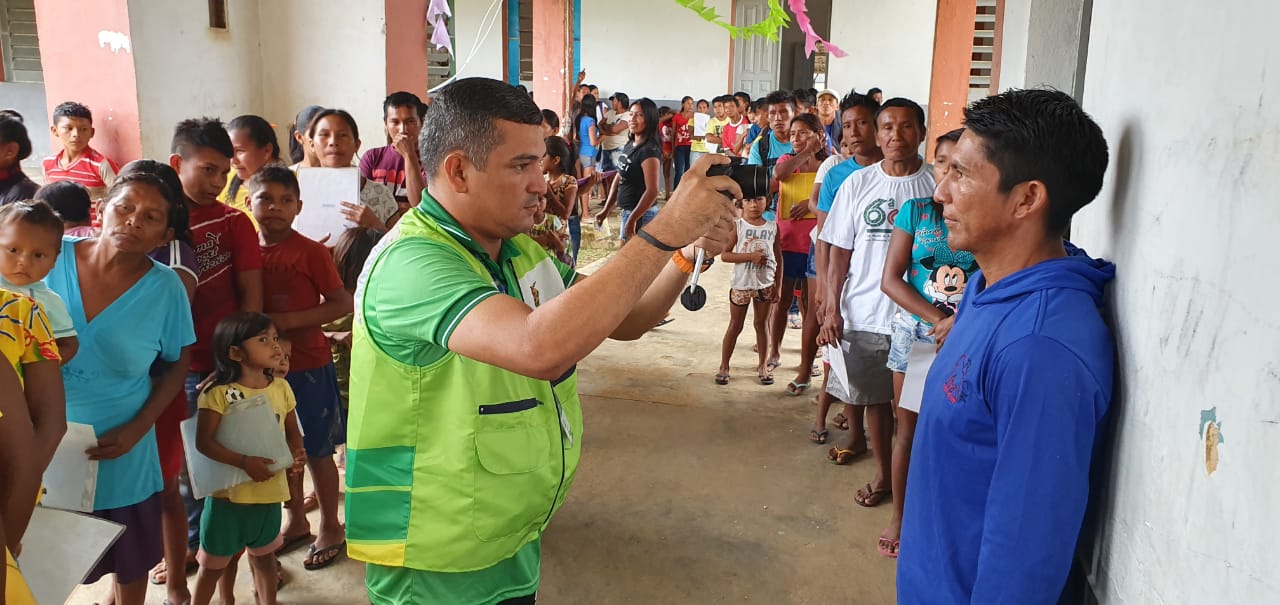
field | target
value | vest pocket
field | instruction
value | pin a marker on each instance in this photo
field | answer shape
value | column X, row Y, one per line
column 513, row 483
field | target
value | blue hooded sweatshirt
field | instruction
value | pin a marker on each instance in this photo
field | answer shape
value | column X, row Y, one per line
column 1000, row 463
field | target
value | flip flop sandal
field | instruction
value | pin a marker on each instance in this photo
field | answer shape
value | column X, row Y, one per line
column 840, row 421
column 841, row 457
column 868, row 498
column 291, row 543
column 665, row 322
column 153, row 575
column 796, row 389
column 333, row 552
column 722, row 379
column 818, row 437
column 767, row 379
column 310, row 502
column 888, row 548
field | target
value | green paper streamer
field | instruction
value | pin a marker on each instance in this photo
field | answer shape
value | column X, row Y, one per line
column 767, row 28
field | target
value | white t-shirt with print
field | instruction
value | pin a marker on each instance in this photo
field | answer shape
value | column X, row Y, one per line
column 861, row 220
column 614, row 141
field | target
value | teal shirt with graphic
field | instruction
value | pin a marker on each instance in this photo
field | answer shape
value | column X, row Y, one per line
column 938, row 273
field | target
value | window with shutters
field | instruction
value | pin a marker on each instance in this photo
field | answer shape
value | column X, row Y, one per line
column 983, row 69
column 440, row 64
column 526, row 40
column 19, row 44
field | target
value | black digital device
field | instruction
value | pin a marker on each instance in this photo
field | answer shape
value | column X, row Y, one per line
column 754, row 180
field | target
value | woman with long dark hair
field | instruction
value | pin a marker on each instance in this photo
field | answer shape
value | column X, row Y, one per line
column 639, row 165
column 562, row 190
column 585, row 137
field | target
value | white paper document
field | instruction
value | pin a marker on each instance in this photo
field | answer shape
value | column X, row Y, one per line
column 323, row 191
column 249, row 427
column 918, row 364
column 700, row 124
column 71, row 479
column 59, row 550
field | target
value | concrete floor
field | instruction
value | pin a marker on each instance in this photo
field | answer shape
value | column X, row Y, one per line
column 688, row 492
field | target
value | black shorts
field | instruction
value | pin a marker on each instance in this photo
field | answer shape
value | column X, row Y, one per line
column 795, row 265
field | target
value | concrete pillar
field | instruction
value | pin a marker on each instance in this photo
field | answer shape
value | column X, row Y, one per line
column 1045, row 43
column 553, row 54
column 952, row 53
column 407, row 46
column 86, row 50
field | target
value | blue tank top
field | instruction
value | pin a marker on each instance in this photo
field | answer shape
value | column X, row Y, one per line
column 585, row 148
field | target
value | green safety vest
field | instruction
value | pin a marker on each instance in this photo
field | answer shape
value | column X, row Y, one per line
column 454, row 466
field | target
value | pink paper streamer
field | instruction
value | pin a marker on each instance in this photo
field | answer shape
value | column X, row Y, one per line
column 811, row 38
column 437, row 8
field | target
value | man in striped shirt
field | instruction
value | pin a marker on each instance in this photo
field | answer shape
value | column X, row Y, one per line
column 78, row 162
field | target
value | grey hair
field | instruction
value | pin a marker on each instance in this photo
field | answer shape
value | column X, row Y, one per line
column 462, row 117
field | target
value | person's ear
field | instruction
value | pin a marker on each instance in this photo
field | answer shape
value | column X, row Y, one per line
column 1030, row 199
column 235, row 353
column 454, row 170
column 53, row 129
column 175, row 162
column 92, row 130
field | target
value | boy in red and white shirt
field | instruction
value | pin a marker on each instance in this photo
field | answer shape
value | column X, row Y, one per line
column 78, row 162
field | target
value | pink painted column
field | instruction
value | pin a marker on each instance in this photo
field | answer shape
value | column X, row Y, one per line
column 87, row 54
column 553, row 54
column 406, row 23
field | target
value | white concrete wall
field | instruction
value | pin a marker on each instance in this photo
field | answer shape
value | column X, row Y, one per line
column 313, row 59
column 1013, row 44
column 185, row 70
column 469, row 18
column 1040, row 44
column 659, row 49
column 890, row 46
column 1189, row 213
column 29, row 100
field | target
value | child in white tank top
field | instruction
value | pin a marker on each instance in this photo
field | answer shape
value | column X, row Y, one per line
column 756, row 275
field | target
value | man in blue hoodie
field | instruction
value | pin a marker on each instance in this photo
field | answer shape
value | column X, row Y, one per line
column 1020, row 388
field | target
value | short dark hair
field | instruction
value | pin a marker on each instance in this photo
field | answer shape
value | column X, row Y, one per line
column 950, row 137
column 341, row 114
column 549, row 116
column 403, row 99
column 14, row 131
column 874, row 91
column 903, row 103
column 33, row 213
column 779, row 97
column 744, row 96
column 179, row 216
column 71, row 109
column 854, row 99
column 11, row 114
column 759, row 105
column 1042, row 135
column 274, row 174
column 68, row 198
column 622, row 99
column 463, row 117
column 200, row 132
column 701, row 101
column 803, row 95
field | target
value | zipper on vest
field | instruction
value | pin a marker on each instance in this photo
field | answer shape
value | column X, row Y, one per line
column 509, row 407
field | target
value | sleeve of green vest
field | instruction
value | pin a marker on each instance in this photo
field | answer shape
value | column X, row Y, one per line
column 418, row 293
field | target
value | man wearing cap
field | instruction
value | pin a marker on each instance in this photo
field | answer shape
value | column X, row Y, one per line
column 828, row 107
column 614, row 129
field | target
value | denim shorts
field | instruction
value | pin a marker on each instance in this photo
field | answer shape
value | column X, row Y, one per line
column 811, row 271
column 648, row 217
column 907, row 330
column 588, row 161
column 319, row 409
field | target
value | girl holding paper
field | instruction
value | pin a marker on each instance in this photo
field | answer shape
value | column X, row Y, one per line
column 246, row 352
column 336, row 139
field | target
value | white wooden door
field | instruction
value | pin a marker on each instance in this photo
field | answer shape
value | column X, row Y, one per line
column 755, row 59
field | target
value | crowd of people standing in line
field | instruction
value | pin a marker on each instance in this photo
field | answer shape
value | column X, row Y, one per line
column 137, row 296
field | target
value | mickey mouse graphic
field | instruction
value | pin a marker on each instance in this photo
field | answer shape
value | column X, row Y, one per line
column 948, row 277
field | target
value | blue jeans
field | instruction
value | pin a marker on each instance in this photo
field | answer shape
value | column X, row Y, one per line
column 648, row 217
column 575, row 235
column 681, row 165
column 194, row 507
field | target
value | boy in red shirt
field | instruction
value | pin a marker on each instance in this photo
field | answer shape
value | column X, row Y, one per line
column 78, row 162
column 229, row 264
column 303, row 291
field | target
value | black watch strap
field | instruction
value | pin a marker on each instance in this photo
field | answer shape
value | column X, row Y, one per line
column 653, row 241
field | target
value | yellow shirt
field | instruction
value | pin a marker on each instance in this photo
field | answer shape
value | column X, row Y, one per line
column 241, row 201
column 25, row 334
column 793, row 190
column 218, row 399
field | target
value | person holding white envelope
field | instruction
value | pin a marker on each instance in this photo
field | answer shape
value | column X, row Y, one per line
column 335, row 137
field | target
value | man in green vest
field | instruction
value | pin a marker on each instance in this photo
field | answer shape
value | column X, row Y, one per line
column 465, row 427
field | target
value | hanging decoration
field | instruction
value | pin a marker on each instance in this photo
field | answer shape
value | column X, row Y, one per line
column 437, row 12
column 767, row 28
column 811, row 38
